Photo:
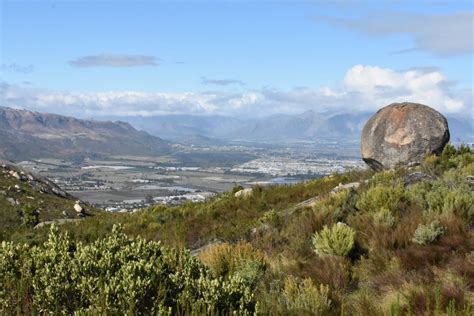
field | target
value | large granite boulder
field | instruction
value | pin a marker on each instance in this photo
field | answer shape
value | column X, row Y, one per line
column 403, row 134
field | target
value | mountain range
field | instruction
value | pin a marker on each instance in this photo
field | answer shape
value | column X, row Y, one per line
column 26, row 134
column 278, row 128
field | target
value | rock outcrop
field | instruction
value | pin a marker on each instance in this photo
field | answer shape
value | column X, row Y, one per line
column 403, row 134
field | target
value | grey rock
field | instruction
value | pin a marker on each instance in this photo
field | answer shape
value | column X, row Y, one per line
column 403, row 134
column 348, row 186
column 415, row 177
column 12, row 201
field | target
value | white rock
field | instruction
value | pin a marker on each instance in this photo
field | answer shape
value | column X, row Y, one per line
column 340, row 187
column 244, row 193
column 15, row 175
column 78, row 208
column 12, row 201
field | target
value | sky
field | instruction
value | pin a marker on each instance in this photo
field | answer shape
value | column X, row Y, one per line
column 234, row 58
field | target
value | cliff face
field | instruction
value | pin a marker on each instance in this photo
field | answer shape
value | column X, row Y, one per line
column 26, row 134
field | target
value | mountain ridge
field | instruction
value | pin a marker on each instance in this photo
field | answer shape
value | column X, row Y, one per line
column 27, row 134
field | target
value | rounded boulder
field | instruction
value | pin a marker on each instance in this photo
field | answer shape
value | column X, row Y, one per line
column 403, row 134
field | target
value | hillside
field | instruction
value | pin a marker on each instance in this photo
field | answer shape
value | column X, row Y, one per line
column 26, row 135
column 361, row 243
column 27, row 201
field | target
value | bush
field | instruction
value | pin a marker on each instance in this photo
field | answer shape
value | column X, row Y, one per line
column 440, row 199
column 297, row 297
column 339, row 205
column 242, row 260
column 114, row 275
column 30, row 216
column 377, row 198
column 384, row 217
column 426, row 234
column 338, row 241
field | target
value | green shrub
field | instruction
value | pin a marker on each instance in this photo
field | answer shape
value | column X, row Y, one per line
column 303, row 296
column 440, row 199
column 339, row 205
column 30, row 216
column 338, row 240
column 114, row 275
column 296, row 297
column 384, row 217
column 241, row 260
column 377, row 198
column 272, row 218
column 426, row 234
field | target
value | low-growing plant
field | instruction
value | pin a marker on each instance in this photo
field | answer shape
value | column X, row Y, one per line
column 384, row 217
column 115, row 275
column 426, row 234
column 30, row 215
column 339, row 205
column 241, row 259
column 296, row 297
column 377, row 198
column 338, row 240
column 304, row 296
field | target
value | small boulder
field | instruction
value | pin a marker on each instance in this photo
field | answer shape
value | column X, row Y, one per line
column 403, row 134
column 244, row 193
column 78, row 208
column 15, row 175
column 12, row 201
column 415, row 177
column 348, row 186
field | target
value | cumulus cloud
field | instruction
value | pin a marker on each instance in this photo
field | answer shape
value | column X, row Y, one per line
column 221, row 82
column 114, row 60
column 442, row 35
column 13, row 67
column 363, row 88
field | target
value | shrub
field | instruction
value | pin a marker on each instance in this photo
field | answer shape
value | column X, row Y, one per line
column 338, row 241
column 377, row 198
column 303, row 295
column 242, row 260
column 438, row 198
column 30, row 216
column 296, row 297
column 339, row 205
column 384, row 217
column 115, row 275
column 272, row 218
column 426, row 234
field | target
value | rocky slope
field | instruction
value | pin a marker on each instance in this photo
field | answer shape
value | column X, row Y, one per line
column 27, row 200
column 26, row 135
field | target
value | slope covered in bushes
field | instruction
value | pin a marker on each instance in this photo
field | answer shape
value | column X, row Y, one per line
column 402, row 242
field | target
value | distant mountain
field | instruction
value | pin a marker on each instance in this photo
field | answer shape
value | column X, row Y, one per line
column 277, row 128
column 186, row 128
column 25, row 135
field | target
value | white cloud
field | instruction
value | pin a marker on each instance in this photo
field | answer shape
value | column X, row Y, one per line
column 113, row 60
column 442, row 35
column 381, row 86
column 363, row 88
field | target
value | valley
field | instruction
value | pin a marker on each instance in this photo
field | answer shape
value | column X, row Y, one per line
column 190, row 173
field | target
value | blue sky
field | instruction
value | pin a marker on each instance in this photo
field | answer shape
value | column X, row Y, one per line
column 234, row 57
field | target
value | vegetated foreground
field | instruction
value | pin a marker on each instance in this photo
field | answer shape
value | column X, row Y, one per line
column 402, row 242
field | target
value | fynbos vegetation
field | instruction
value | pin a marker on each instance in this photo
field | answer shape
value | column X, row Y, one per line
column 388, row 247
